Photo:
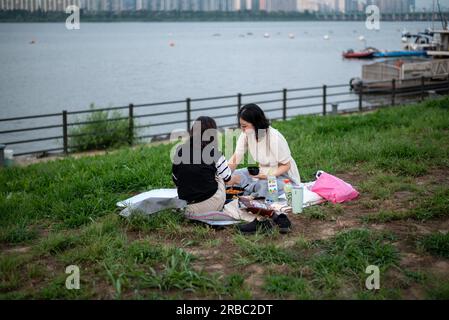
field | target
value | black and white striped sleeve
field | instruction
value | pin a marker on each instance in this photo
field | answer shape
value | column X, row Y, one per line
column 223, row 169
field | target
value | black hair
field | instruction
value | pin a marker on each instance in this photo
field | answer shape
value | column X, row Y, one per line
column 206, row 124
column 253, row 114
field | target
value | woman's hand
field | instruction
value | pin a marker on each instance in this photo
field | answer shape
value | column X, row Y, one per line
column 260, row 176
column 234, row 180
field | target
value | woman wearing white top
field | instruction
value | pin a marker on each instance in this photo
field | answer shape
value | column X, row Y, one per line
column 265, row 145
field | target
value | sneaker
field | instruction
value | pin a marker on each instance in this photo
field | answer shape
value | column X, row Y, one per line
column 282, row 221
column 256, row 225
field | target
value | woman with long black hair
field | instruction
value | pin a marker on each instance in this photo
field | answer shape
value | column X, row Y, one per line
column 268, row 147
column 200, row 171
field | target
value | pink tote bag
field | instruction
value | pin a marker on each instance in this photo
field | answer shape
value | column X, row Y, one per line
column 334, row 189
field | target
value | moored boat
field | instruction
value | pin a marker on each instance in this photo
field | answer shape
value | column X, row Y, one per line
column 399, row 54
column 364, row 54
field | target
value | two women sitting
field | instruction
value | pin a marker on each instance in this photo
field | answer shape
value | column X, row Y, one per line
column 201, row 172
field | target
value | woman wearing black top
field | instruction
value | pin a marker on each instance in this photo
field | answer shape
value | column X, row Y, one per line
column 200, row 171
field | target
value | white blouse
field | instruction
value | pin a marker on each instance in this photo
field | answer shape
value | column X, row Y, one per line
column 271, row 150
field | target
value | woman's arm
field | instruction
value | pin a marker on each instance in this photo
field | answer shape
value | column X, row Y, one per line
column 223, row 169
column 282, row 168
column 239, row 152
column 233, row 163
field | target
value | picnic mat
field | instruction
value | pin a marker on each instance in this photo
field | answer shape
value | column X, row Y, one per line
column 151, row 202
column 161, row 199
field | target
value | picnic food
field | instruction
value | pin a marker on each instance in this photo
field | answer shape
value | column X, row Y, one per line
column 257, row 207
column 233, row 192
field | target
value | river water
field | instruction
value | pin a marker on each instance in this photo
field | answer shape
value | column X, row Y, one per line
column 114, row 64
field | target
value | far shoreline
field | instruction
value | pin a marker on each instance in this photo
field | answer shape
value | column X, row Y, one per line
column 212, row 21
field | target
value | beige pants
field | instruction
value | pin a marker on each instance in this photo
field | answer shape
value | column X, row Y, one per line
column 214, row 203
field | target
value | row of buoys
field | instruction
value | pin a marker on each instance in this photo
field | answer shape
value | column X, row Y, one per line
column 268, row 35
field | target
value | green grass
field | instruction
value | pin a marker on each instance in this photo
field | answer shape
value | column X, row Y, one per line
column 318, row 213
column 236, row 288
column 18, row 233
column 282, row 286
column 256, row 252
column 347, row 255
column 64, row 212
column 9, row 275
column 439, row 291
column 435, row 206
column 177, row 273
column 428, row 207
column 436, row 244
column 324, row 267
column 386, row 216
column 354, row 250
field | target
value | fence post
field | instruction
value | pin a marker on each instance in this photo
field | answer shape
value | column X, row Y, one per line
column 393, row 92
column 422, row 88
column 448, row 83
column 239, row 106
column 2, row 155
column 64, row 131
column 130, row 124
column 324, row 99
column 361, row 97
column 284, row 105
column 188, row 114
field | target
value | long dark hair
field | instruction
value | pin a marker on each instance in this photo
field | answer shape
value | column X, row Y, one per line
column 253, row 114
column 206, row 123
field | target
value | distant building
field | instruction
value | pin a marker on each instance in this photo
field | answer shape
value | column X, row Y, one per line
column 30, row 5
column 328, row 6
column 307, row 5
column 277, row 5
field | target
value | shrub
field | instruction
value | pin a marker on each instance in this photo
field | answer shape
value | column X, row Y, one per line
column 103, row 131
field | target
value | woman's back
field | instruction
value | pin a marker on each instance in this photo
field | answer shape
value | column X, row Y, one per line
column 194, row 178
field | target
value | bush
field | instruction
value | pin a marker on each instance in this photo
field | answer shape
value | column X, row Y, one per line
column 102, row 132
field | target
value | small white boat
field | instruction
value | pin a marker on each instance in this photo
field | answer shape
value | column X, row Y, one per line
column 266, row 35
column 326, row 37
column 291, row 36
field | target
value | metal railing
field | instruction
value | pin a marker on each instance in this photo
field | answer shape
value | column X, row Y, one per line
column 285, row 104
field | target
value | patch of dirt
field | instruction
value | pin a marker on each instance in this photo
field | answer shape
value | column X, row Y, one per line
column 317, row 230
column 441, row 267
column 22, row 249
column 434, row 176
column 255, row 281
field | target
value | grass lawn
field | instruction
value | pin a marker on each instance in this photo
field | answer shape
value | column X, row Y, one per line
column 63, row 213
